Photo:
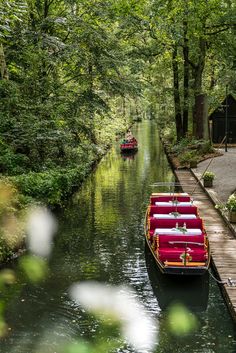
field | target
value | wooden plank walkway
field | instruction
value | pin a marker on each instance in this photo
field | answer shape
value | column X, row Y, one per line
column 222, row 238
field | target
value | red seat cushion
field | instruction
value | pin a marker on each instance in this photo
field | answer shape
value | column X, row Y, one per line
column 171, row 223
column 167, row 254
column 169, row 209
column 168, row 198
column 179, row 241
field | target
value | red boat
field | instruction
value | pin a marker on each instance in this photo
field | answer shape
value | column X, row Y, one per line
column 176, row 235
column 129, row 145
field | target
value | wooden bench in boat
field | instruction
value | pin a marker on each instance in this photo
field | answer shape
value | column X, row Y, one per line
column 177, row 231
column 155, row 224
column 176, row 254
column 170, row 209
column 193, row 254
column 173, row 203
column 171, row 241
column 176, row 235
column 169, row 198
column 171, row 248
column 172, row 216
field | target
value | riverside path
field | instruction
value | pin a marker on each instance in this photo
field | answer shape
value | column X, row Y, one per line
column 221, row 236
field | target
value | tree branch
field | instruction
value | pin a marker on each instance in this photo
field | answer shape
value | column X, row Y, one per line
column 226, row 26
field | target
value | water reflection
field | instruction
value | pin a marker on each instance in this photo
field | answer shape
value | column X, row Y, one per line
column 128, row 155
column 192, row 292
column 101, row 237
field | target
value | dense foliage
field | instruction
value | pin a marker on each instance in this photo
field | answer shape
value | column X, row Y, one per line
column 62, row 91
column 76, row 73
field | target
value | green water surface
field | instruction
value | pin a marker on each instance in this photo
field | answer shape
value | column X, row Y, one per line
column 101, row 238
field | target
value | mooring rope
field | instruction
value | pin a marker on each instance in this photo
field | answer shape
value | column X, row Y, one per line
column 230, row 282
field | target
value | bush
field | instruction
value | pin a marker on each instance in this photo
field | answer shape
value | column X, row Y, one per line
column 13, row 164
column 231, row 203
column 208, row 176
column 168, row 134
column 206, row 147
column 181, row 146
column 200, row 147
column 50, row 187
column 186, row 157
column 11, row 234
column 5, row 251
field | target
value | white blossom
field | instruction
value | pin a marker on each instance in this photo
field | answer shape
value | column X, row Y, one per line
column 41, row 227
column 138, row 328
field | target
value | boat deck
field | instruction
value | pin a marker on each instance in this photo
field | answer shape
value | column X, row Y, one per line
column 221, row 237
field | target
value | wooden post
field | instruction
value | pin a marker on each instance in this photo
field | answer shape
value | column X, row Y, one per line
column 226, row 119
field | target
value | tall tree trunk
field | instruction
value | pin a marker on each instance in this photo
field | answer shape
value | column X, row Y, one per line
column 46, row 8
column 91, row 110
column 3, row 65
column 136, row 108
column 186, row 80
column 123, row 107
column 178, row 116
column 198, row 117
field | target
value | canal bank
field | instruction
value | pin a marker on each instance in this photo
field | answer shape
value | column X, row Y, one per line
column 222, row 241
column 101, row 238
column 221, row 233
column 224, row 168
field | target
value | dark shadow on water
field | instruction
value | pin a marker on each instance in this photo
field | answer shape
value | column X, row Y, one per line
column 128, row 155
column 191, row 291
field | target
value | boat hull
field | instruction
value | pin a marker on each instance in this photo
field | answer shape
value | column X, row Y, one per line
column 178, row 270
column 177, row 250
column 128, row 147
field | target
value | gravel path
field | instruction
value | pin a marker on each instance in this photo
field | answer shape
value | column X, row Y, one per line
column 224, row 168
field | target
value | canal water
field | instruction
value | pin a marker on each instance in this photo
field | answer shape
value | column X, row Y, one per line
column 101, row 238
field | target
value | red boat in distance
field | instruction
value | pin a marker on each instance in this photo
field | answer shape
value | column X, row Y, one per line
column 129, row 145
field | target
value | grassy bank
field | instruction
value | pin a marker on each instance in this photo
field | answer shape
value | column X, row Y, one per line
column 50, row 186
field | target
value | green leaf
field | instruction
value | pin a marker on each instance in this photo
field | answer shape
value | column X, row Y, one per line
column 34, row 268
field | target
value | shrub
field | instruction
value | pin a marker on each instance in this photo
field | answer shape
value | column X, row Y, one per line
column 11, row 233
column 206, row 147
column 208, row 176
column 50, row 187
column 231, row 203
column 186, row 157
column 181, row 146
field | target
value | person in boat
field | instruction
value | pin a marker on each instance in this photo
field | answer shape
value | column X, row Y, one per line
column 129, row 137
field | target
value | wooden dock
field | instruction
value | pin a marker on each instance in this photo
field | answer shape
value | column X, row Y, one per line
column 221, row 236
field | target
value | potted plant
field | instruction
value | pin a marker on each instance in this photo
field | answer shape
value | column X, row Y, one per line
column 208, row 178
column 231, row 207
